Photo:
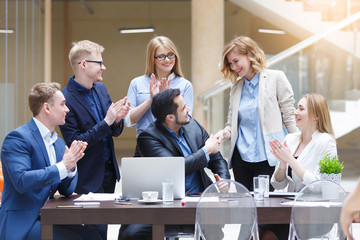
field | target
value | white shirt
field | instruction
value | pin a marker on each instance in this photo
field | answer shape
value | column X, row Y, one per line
column 49, row 138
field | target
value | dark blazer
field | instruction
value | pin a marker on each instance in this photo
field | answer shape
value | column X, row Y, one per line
column 29, row 180
column 156, row 141
column 81, row 125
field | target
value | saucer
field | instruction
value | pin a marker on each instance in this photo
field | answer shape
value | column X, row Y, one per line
column 150, row 201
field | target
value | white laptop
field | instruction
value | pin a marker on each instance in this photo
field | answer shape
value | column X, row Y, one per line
column 140, row 174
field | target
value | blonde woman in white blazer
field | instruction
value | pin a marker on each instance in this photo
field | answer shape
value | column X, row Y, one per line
column 301, row 152
column 261, row 109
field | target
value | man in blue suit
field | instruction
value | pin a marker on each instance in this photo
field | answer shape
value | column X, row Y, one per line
column 36, row 164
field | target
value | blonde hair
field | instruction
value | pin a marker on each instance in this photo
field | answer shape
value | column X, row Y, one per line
column 244, row 46
column 319, row 109
column 82, row 49
column 150, row 56
column 42, row 93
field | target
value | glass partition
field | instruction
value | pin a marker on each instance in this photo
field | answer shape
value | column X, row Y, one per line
column 21, row 54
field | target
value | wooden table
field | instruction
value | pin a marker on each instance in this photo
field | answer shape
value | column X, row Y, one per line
column 269, row 211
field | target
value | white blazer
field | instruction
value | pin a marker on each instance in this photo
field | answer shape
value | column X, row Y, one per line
column 275, row 105
column 320, row 145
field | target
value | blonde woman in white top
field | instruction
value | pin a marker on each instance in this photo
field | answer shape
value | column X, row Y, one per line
column 301, row 152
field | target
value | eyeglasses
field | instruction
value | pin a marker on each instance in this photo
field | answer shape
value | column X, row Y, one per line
column 93, row 61
column 163, row 56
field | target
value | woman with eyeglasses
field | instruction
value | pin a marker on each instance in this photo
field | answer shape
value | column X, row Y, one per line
column 162, row 71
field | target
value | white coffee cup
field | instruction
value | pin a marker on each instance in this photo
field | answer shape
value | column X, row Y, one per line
column 150, row 195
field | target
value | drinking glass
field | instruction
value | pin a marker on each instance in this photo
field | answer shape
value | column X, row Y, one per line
column 167, row 191
column 259, row 188
column 267, row 185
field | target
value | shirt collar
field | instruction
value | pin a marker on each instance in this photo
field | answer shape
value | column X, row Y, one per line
column 172, row 76
column 181, row 132
column 49, row 137
column 253, row 81
column 80, row 87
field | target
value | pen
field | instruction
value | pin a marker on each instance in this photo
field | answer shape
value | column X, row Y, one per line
column 123, row 203
column 87, row 204
column 69, row 206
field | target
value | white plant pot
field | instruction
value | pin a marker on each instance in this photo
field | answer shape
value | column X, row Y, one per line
column 328, row 190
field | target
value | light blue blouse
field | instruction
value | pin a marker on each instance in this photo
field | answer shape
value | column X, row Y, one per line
column 250, row 142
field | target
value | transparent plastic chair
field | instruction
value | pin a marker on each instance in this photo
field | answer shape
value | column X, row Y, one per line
column 226, row 210
column 316, row 212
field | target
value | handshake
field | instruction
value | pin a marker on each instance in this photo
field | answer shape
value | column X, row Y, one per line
column 212, row 144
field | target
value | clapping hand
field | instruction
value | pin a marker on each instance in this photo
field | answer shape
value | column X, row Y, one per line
column 164, row 84
column 280, row 151
column 124, row 109
column 158, row 86
column 117, row 111
column 154, row 88
column 74, row 154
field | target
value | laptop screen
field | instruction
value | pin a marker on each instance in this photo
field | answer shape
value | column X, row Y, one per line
column 140, row 174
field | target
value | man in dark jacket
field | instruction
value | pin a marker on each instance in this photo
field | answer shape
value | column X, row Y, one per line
column 175, row 134
column 93, row 118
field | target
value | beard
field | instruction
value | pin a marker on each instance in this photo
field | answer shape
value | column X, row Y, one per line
column 181, row 123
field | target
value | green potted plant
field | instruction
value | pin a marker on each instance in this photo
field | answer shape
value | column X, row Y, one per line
column 330, row 169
